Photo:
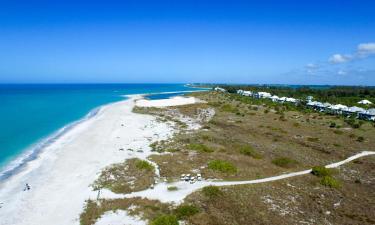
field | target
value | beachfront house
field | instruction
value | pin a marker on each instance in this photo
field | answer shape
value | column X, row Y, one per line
column 337, row 109
column 275, row 98
column 240, row 92
column 220, row 89
column 351, row 111
column 291, row 100
column 282, row 99
column 247, row 93
column 262, row 94
column 309, row 98
column 367, row 114
column 365, row 102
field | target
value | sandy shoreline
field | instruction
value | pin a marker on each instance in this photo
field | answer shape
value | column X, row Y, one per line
column 61, row 175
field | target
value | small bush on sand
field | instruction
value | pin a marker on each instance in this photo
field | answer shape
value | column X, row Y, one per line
column 222, row 166
column 249, row 151
column 144, row 165
column 211, row 191
column 199, row 147
column 321, row 171
column 172, row 188
column 184, row 211
column 284, row 162
column 165, row 220
column 330, row 182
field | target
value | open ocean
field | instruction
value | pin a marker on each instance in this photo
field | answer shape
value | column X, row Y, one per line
column 34, row 115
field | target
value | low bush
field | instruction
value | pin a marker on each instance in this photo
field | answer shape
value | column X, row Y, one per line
column 144, row 165
column 321, row 171
column 222, row 166
column 165, row 220
column 330, row 182
column 360, row 139
column 184, row 211
column 172, row 188
column 332, row 125
column 249, row 151
column 284, row 162
column 211, row 191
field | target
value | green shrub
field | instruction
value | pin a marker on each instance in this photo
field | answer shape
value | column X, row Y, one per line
column 360, row 139
column 321, row 171
column 199, row 147
column 172, row 188
column 229, row 108
column 184, row 211
column 222, row 166
column 144, row 165
column 284, row 162
column 330, row 182
column 211, row 191
column 165, row 220
column 332, row 125
column 249, row 151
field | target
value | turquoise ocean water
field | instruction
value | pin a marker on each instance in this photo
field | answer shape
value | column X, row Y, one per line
column 34, row 115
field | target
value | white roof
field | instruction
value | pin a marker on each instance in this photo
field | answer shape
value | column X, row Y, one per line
column 354, row 109
column 283, row 98
column 275, row 97
column 369, row 112
column 365, row 102
column 291, row 100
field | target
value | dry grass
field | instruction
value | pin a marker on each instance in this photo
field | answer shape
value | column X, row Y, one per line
column 131, row 175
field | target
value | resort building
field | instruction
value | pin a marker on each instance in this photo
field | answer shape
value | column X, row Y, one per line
column 365, row 102
column 220, row 89
column 352, row 111
column 367, row 115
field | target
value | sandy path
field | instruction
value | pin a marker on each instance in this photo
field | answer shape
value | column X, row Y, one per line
column 61, row 175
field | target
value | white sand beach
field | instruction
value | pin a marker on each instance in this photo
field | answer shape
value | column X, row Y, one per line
column 61, row 176
column 175, row 101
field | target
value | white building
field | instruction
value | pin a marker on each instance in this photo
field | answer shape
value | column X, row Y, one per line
column 275, row 98
column 220, row 89
column 365, row 102
column 367, row 115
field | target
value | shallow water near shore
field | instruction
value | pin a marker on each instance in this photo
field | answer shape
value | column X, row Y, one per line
column 32, row 116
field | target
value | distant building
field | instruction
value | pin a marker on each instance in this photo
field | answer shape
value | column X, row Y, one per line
column 309, row 98
column 220, row 89
column 367, row 115
column 352, row 111
column 365, row 102
column 275, row 98
column 262, row 95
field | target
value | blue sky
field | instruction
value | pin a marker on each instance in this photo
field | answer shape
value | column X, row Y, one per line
column 293, row 42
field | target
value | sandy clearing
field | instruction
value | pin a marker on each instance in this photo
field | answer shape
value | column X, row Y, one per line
column 175, row 101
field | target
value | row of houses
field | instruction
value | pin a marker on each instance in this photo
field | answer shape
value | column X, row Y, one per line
column 261, row 94
column 338, row 109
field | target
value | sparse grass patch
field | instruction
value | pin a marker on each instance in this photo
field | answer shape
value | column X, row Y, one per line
column 284, row 162
column 211, row 191
column 165, row 220
column 339, row 132
column 199, row 147
column 250, row 151
column 222, row 166
column 313, row 139
column 131, row 175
